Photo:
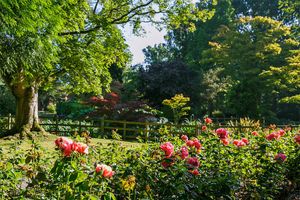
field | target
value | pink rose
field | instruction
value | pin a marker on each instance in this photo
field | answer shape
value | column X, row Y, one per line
column 297, row 139
column 167, row 163
column 194, row 162
column 168, row 148
column 225, row 141
column 239, row 143
column 80, row 148
column 281, row 132
column 204, row 128
column 280, row 157
column 195, row 172
column 197, row 144
column 107, row 171
column 245, row 140
column 254, row 133
column 62, row 142
column 184, row 152
column 222, row 133
column 208, row 120
column 190, row 143
column 272, row 136
column 184, row 138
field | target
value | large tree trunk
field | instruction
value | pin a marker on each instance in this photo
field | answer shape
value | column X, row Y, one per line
column 27, row 119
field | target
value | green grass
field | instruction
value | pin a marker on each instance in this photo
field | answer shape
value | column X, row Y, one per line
column 48, row 145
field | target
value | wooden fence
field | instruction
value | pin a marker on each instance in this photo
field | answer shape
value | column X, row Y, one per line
column 127, row 129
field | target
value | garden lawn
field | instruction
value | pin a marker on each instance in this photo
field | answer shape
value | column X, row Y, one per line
column 46, row 142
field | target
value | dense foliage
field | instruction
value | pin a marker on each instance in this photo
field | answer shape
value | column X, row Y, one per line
column 246, row 59
column 258, row 164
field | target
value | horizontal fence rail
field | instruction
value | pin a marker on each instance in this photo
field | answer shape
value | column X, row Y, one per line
column 126, row 129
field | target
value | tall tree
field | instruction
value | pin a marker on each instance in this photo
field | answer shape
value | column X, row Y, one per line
column 73, row 42
column 245, row 50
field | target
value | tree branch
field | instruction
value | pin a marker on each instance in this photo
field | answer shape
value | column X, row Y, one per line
column 114, row 21
column 95, row 8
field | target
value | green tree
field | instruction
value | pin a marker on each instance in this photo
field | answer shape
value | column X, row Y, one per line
column 245, row 50
column 163, row 80
column 73, row 42
column 178, row 105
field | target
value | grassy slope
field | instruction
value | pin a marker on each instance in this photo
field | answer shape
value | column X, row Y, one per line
column 47, row 143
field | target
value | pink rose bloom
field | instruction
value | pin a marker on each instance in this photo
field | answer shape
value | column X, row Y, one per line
column 245, row 140
column 197, row 144
column 190, row 143
column 193, row 161
column 67, row 150
column 254, row 133
column 168, row 148
column 195, row 172
column 204, row 128
column 225, row 141
column 184, row 138
column 208, row 120
column 281, row 132
column 184, row 152
column 107, row 171
column 167, row 163
column 62, row 142
column 297, row 139
column 80, row 148
column 222, row 133
column 273, row 136
column 280, row 157
column 239, row 143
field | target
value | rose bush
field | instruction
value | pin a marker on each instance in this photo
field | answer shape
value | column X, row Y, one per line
column 217, row 164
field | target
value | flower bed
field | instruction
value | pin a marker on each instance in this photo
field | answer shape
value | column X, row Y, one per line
column 217, row 164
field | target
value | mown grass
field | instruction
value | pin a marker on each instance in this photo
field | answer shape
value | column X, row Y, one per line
column 46, row 142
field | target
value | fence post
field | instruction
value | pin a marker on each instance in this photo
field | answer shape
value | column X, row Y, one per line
column 196, row 129
column 9, row 121
column 56, row 124
column 102, row 125
column 79, row 127
column 147, row 131
column 124, row 130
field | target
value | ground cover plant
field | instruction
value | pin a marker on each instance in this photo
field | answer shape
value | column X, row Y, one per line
column 217, row 164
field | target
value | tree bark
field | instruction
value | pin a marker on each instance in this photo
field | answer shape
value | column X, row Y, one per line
column 27, row 119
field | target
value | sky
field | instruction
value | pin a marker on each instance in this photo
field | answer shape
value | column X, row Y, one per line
column 138, row 43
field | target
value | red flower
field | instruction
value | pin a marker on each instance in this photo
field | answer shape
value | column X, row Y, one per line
column 80, row 148
column 281, row 132
column 208, row 120
column 184, row 138
column 280, row 157
column 272, row 136
column 297, row 139
column 254, row 133
column 245, row 140
column 167, row 163
column 190, row 143
column 225, row 141
column 184, row 152
column 222, row 133
column 65, row 145
column 197, row 144
column 194, row 162
column 168, row 148
column 204, row 128
column 107, row 171
column 240, row 143
column 195, row 172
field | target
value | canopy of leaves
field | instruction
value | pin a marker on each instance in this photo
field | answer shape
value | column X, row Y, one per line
column 74, row 42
